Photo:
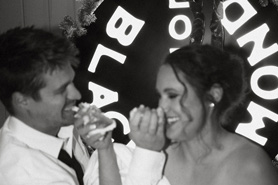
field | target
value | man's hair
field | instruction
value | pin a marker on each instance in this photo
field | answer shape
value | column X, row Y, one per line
column 26, row 54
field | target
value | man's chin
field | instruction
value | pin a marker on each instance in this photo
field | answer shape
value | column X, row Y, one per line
column 68, row 119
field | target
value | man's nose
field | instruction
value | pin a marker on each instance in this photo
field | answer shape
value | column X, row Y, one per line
column 74, row 93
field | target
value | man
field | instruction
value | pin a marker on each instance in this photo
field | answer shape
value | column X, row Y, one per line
column 37, row 90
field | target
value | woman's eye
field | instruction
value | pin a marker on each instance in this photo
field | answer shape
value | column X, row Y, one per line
column 172, row 96
column 157, row 95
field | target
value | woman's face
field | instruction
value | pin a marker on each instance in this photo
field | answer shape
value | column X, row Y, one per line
column 184, row 111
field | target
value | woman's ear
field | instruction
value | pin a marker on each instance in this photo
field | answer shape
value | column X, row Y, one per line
column 216, row 92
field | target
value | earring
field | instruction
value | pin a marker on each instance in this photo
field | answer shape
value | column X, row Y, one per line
column 211, row 105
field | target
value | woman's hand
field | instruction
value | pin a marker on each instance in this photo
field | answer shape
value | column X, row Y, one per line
column 88, row 124
column 147, row 128
column 97, row 141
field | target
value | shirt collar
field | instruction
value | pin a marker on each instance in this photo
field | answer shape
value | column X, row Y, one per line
column 41, row 141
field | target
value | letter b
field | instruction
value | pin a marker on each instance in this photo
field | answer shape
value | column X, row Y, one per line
column 128, row 29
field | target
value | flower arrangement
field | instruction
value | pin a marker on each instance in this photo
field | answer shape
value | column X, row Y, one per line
column 265, row 3
column 85, row 16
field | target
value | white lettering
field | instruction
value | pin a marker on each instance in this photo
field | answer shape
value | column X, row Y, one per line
column 124, row 121
column 249, row 12
column 258, row 53
column 187, row 30
column 129, row 28
column 174, row 4
column 100, row 51
column 101, row 95
column 258, row 113
column 267, row 70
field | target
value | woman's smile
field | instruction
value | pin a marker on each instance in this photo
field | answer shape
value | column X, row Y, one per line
column 172, row 120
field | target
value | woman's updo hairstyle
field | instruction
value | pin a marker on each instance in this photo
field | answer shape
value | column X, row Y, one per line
column 203, row 66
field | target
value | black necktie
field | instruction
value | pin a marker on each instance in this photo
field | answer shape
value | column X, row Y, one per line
column 73, row 163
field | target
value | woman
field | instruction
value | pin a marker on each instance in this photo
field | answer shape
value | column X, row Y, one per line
column 199, row 87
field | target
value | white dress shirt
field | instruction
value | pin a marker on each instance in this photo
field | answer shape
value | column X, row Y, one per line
column 29, row 157
column 137, row 167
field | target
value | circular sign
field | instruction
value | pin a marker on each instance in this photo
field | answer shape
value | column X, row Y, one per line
column 123, row 49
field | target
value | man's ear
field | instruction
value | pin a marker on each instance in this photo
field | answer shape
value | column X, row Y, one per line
column 216, row 91
column 19, row 100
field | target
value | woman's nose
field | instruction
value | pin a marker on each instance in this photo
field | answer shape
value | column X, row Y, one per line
column 163, row 104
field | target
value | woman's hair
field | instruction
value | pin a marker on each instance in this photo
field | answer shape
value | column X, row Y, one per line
column 26, row 54
column 203, row 66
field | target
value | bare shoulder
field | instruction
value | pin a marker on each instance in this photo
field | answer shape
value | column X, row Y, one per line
column 248, row 163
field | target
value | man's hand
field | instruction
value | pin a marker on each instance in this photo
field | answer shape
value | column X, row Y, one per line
column 147, row 128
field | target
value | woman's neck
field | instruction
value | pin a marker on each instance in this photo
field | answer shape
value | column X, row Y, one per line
column 201, row 147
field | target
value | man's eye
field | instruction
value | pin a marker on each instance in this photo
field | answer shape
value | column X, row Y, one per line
column 61, row 90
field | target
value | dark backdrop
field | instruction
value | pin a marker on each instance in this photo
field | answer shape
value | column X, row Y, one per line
column 135, row 79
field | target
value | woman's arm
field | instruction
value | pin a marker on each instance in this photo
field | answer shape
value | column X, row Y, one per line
column 96, row 130
column 108, row 167
column 137, row 166
column 143, row 166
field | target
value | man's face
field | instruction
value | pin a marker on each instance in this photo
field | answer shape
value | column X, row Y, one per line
column 58, row 97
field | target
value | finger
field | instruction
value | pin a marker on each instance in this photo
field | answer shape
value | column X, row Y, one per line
column 132, row 113
column 102, row 121
column 136, row 118
column 135, row 122
column 85, row 130
column 161, row 121
column 102, row 130
column 107, row 137
column 93, row 138
column 78, row 123
column 161, row 115
column 153, row 122
column 82, row 120
column 144, row 124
